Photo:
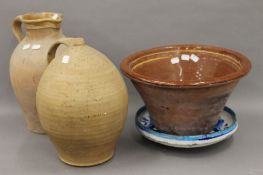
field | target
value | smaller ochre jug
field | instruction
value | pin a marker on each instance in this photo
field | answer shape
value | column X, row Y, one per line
column 29, row 60
column 82, row 103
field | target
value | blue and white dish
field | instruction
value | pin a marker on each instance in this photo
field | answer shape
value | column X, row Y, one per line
column 226, row 126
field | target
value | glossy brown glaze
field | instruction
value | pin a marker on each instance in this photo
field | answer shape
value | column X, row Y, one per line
column 185, row 97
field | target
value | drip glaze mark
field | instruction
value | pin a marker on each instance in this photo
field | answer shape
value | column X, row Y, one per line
column 97, row 115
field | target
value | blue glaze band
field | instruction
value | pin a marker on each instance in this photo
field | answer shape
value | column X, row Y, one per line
column 188, row 138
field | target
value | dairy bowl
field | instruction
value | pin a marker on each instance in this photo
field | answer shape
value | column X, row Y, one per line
column 185, row 87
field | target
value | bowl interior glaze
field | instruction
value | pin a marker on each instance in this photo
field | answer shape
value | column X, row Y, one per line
column 186, row 65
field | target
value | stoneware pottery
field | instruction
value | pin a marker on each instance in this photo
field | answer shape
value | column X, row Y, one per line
column 185, row 87
column 29, row 59
column 226, row 126
column 82, row 103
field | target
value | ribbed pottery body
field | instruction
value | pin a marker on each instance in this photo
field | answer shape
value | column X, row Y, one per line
column 29, row 59
column 82, row 104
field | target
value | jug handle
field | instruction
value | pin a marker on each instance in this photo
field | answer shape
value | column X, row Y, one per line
column 66, row 41
column 17, row 30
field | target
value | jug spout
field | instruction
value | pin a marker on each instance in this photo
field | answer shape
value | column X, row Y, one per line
column 44, row 21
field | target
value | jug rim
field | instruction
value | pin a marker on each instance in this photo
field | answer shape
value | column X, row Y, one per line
column 34, row 17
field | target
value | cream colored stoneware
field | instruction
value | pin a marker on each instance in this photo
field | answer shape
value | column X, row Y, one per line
column 29, row 59
column 82, row 103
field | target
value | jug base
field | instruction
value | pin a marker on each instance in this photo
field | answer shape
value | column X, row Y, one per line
column 90, row 163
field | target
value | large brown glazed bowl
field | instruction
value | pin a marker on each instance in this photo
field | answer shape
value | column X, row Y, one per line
column 185, row 87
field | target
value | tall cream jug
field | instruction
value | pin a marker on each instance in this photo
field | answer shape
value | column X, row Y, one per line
column 29, row 59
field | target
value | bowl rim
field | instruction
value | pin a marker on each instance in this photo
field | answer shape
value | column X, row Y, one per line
column 244, row 62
